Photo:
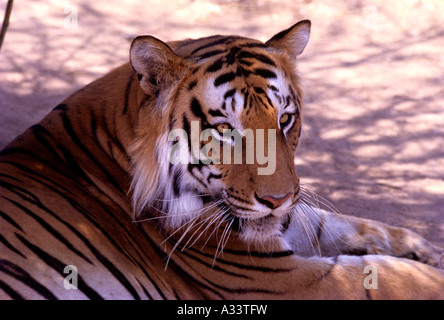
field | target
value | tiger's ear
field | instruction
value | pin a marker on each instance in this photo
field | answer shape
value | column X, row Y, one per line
column 156, row 64
column 292, row 40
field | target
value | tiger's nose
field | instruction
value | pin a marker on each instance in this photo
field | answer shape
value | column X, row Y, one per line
column 272, row 202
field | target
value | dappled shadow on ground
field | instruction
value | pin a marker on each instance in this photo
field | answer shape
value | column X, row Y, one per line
column 373, row 140
column 373, row 137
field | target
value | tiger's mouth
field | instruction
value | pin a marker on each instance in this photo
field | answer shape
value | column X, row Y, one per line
column 258, row 224
column 252, row 225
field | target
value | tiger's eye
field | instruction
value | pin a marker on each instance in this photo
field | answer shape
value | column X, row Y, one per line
column 284, row 118
column 222, row 127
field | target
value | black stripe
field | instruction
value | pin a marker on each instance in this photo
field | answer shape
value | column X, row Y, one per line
column 145, row 290
column 144, row 270
column 246, row 98
column 61, row 107
column 196, row 108
column 257, row 254
column 224, row 78
column 210, row 54
column 265, row 73
column 293, row 95
column 21, row 275
column 233, row 104
column 270, row 103
column 59, row 266
column 259, row 90
column 215, row 66
column 93, row 127
column 298, row 100
column 245, row 62
column 262, row 58
column 214, row 43
column 242, row 72
column 176, row 183
column 216, row 113
column 262, row 102
column 128, row 91
column 22, row 153
column 11, row 247
column 252, row 45
column 112, row 138
column 214, row 176
column 231, row 57
column 192, row 85
column 287, row 102
column 278, row 98
column 86, row 213
column 10, row 292
column 229, row 93
column 31, row 174
column 10, row 177
column 209, row 265
column 49, row 229
column 40, row 134
column 10, row 220
column 239, row 199
column 75, row 138
column 368, row 294
column 199, row 168
column 273, row 88
column 67, row 158
column 174, row 265
column 195, row 69
column 187, row 128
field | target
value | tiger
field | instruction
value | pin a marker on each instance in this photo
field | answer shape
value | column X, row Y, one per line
column 94, row 207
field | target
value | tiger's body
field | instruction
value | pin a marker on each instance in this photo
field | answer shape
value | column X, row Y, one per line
column 72, row 185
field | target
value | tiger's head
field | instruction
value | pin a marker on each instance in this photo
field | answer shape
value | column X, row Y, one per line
column 198, row 92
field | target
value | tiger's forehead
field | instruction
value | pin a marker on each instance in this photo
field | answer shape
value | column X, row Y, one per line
column 230, row 70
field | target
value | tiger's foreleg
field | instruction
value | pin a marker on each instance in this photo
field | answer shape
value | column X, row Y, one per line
column 326, row 233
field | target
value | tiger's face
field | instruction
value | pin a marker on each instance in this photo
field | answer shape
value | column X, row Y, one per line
column 231, row 108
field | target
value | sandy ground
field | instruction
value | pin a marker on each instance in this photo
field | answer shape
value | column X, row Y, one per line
column 373, row 138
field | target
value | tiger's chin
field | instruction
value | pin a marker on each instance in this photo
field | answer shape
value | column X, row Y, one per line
column 259, row 231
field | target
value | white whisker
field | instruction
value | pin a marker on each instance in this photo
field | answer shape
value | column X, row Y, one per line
column 215, row 229
column 200, row 224
column 221, row 239
column 308, row 227
column 311, row 204
column 179, row 241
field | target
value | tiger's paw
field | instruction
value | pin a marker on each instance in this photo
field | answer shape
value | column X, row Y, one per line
column 403, row 243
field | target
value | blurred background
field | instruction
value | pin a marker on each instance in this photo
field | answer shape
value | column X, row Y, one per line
column 373, row 137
